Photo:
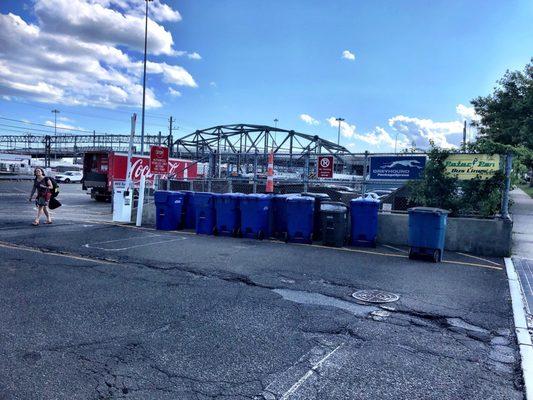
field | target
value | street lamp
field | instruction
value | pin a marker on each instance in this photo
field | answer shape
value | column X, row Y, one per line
column 55, row 111
column 339, row 120
column 144, row 73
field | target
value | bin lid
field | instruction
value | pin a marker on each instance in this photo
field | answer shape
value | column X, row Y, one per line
column 429, row 210
column 206, row 194
column 323, row 196
column 362, row 199
column 333, row 207
column 301, row 199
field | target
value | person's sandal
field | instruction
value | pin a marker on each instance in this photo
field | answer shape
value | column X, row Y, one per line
column 35, row 223
column 48, row 222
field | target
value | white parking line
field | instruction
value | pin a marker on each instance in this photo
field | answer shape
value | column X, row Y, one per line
column 123, row 239
column 395, row 248
column 308, row 374
column 87, row 245
column 479, row 258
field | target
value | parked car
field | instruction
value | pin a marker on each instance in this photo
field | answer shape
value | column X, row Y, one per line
column 69, row 176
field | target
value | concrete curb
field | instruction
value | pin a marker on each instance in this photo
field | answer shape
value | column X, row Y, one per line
column 522, row 332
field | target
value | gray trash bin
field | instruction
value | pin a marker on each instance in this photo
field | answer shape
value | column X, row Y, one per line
column 334, row 222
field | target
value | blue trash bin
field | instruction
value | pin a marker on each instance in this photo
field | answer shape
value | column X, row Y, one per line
column 279, row 215
column 227, row 212
column 427, row 231
column 204, row 206
column 364, row 221
column 168, row 209
column 300, row 216
column 255, row 215
column 188, row 212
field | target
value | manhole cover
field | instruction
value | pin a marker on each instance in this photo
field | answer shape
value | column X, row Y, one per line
column 375, row 296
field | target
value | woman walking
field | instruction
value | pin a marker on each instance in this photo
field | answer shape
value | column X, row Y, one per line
column 43, row 186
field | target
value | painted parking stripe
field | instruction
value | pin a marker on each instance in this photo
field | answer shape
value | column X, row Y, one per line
column 353, row 250
column 50, row 253
column 308, row 374
column 87, row 245
column 480, row 258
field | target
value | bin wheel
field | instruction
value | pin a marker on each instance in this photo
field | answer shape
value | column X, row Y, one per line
column 235, row 232
column 260, row 235
column 285, row 237
column 411, row 254
column 436, row 256
column 238, row 232
column 215, row 231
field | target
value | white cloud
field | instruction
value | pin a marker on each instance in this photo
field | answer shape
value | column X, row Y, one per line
column 421, row 131
column 72, row 64
column 174, row 92
column 348, row 55
column 61, row 125
column 214, row 84
column 157, row 10
column 467, row 113
column 347, row 130
column 308, row 119
column 94, row 23
column 194, row 56
column 380, row 136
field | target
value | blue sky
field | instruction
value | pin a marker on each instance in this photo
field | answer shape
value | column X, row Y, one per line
column 412, row 66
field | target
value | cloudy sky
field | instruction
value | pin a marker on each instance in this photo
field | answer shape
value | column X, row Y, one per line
column 396, row 71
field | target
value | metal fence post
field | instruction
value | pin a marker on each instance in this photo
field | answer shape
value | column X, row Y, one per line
column 507, row 187
column 365, row 173
column 230, row 185
column 255, row 173
column 306, row 173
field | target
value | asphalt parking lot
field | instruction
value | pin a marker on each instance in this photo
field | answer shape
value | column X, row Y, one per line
column 94, row 310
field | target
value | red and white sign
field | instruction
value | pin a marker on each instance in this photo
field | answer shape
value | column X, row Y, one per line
column 159, row 160
column 325, row 167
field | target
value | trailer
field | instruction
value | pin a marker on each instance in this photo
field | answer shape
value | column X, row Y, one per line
column 102, row 170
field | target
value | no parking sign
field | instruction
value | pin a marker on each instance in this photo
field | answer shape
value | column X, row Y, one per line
column 325, row 167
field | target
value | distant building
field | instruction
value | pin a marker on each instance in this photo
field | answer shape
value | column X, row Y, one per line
column 15, row 164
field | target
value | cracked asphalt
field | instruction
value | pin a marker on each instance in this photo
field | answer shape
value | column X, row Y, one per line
column 92, row 310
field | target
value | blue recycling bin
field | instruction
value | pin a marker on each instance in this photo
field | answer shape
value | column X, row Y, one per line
column 255, row 215
column 364, row 221
column 300, row 216
column 204, row 205
column 168, row 209
column 227, row 213
column 188, row 212
column 279, row 215
column 427, row 231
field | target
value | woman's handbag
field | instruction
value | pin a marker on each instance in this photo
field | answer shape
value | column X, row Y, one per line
column 54, row 203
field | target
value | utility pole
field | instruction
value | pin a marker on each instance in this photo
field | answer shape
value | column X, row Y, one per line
column 55, row 111
column 144, row 74
column 275, row 133
column 339, row 120
column 170, row 138
column 464, row 136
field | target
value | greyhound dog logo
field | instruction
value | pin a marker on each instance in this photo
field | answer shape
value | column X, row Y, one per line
column 403, row 163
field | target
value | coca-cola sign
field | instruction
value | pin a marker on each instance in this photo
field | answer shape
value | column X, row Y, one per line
column 141, row 166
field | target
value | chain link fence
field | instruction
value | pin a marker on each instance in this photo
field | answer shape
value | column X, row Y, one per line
column 247, row 173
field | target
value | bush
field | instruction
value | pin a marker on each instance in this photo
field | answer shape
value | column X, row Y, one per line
column 436, row 189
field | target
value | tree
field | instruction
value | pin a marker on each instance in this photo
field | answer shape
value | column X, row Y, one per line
column 506, row 116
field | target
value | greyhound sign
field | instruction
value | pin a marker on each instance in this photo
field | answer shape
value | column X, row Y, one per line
column 397, row 167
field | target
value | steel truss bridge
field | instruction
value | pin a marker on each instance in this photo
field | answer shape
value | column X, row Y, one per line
column 238, row 140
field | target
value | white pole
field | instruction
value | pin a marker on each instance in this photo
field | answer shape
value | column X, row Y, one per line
column 130, row 150
column 140, row 201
